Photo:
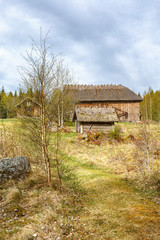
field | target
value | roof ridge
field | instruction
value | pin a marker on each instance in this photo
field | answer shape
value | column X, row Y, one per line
column 104, row 92
column 25, row 100
column 92, row 86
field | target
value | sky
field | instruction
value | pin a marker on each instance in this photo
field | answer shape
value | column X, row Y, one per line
column 102, row 41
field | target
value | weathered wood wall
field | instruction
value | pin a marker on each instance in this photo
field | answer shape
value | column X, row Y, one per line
column 132, row 108
column 36, row 111
column 32, row 111
column 94, row 127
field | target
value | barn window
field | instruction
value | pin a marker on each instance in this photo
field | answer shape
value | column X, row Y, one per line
column 28, row 104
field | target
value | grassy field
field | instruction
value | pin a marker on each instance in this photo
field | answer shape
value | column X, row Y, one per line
column 8, row 120
column 106, row 192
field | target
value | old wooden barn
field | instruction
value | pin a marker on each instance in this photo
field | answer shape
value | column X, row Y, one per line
column 94, row 99
column 28, row 108
column 94, row 119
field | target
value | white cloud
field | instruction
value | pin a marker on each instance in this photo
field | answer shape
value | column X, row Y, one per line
column 104, row 41
column 9, row 65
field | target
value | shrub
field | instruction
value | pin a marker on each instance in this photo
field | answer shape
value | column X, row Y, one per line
column 94, row 138
column 115, row 133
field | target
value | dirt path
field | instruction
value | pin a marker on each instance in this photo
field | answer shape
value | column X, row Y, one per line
column 113, row 209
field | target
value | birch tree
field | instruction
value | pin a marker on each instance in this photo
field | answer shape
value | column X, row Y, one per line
column 38, row 74
column 62, row 97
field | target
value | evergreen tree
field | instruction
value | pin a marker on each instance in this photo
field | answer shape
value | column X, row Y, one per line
column 21, row 95
column 30, row 93
column 3, row 106
column 15, row 94
column 11, row 103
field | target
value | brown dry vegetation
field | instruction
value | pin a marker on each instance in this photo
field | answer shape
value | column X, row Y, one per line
column 108, row 193
column 135, row 154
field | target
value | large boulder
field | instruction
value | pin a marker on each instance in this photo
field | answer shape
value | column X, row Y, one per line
column 14, row 168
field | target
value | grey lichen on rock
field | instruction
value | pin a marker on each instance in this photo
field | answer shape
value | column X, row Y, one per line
column 14, row 168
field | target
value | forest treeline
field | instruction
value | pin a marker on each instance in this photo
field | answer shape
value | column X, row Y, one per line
column 9, row 101
column 61, row 102
column 149, row 107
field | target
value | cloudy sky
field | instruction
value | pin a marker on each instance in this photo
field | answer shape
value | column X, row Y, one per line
column 103, row 41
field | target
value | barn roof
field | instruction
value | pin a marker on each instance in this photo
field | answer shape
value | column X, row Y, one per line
column 26, row 99
column 88, row 93
column 95, row 114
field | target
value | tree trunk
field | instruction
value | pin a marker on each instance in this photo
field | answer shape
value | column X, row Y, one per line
column 62, row 114
column 44, row 143
column 57, row 162
column 59, row 115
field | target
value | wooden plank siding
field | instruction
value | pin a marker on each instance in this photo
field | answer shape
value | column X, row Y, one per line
column 95, row 127
column 94, row 104
column 132, row 108
column 28, row 108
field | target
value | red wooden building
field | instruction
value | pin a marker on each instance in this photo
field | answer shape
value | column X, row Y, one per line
column 125, row 102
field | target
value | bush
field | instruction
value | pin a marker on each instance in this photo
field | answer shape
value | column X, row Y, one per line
column 115, row 133
column 94, row 138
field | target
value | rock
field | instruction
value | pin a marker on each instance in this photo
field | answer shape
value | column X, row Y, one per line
column 35, row 235
column 14, row 168
column 85, row 136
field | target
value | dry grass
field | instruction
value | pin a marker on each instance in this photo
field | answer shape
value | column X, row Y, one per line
column 128, row 156
column 31, row 209
column 13, row 195
column 117, row 211
column 105, row 201
column 10, row 139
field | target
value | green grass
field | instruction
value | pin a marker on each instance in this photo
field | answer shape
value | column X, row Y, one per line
column 113, row 208
column 69, row 124
column 8, row 120
column 98, row 201
column 64, row 135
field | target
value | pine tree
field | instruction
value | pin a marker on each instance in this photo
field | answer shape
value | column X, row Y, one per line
column 3, row 105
